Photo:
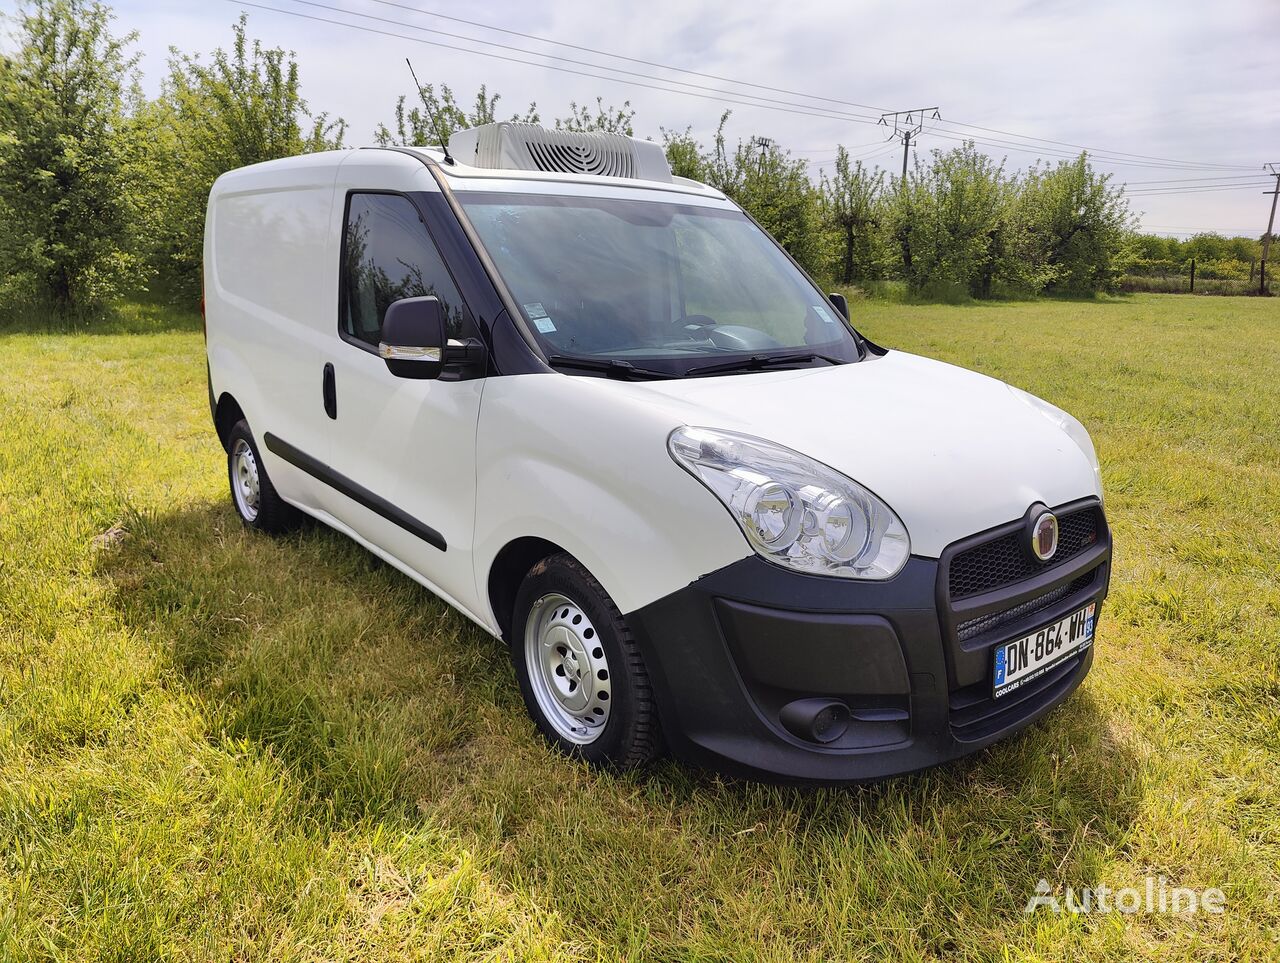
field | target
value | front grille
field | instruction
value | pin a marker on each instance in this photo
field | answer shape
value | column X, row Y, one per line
column 1004, row 560
column 976, row 627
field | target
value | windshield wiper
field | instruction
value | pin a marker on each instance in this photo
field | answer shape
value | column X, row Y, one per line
column 758, row 362
column 611, row 367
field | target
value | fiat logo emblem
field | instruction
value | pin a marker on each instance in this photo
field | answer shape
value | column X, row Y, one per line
column 1044, row 536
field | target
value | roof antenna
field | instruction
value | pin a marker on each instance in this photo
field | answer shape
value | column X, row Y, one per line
column 444, row 144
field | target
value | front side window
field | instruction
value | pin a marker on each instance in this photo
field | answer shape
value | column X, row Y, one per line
column 664, row 285
column 388, row 255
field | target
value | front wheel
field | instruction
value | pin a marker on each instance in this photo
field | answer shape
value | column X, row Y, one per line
column 580, row 670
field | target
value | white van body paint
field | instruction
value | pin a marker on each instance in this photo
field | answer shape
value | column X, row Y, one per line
column 553, row 460
column 582, row 462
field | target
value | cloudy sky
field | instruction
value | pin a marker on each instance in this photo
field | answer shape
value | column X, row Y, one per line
column 1179, row 97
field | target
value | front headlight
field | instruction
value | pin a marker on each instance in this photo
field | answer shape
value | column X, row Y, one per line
column 793, row 510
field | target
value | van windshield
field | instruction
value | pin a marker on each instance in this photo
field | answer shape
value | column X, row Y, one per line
column 663, row 289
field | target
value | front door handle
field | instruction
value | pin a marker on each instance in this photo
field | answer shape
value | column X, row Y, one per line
column 330, row 392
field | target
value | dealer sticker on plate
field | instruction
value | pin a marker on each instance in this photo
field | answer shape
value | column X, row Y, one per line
column 1027, row 658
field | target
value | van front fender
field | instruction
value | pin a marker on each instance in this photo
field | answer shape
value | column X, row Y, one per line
column 576, row 462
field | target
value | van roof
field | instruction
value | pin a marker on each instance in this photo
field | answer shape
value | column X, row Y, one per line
column 464, row 177
column 279, row 174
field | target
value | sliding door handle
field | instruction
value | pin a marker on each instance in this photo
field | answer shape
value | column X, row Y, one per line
column 330, row 392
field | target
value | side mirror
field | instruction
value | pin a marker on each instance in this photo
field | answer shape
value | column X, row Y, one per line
column 413, row 338
column 842, row 305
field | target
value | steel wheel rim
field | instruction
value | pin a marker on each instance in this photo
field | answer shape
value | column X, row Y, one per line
column 245, row 485
column 568, row 670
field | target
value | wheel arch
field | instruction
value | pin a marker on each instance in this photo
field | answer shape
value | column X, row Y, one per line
column 510, row 566
column 226, row 413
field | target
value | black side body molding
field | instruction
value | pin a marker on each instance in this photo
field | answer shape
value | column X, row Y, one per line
column 357, row 493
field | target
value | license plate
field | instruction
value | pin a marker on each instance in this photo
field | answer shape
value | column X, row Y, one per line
column 1027, row 658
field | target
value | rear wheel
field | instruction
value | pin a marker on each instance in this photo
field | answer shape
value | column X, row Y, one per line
column 580, row 670
column 255, row 498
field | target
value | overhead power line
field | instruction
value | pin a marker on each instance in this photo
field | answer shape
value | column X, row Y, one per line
column 719, row 98
column 932, row 131
column 1195, row 188
column 1183, row 229
column 873, row 152
column 1192, row 232
column 672, row 68
column 1101, row 151
column 861, row 158
column 849, row 148
column 1158, row 191
column 778, row 90
column 1180, row 180
column 1051, row 152
column 617, row 56
column 661, row 84
column 557, row 57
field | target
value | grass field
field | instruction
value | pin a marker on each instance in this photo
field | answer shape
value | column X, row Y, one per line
column 217, row 746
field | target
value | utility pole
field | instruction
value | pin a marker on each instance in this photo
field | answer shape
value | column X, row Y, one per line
column 764, row 143
column 906, row 125
column 1274, row 170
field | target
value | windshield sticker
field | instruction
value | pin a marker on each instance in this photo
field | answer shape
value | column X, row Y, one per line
column 535, row 310
column 543, row 324
column 823, row 314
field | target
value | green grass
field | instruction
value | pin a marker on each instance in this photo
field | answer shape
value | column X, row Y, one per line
column 215, row 745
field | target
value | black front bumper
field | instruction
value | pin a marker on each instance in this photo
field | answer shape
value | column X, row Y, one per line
column 726, row 653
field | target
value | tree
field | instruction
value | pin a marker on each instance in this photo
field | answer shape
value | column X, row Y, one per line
column 684, row 153
column 415, row 127
column 66, row 203
column 775, row 188
column 243, row 107
column 948, row 221
column 851, row 200
column 608, row 120
column 442, row 116
column 1075, row 224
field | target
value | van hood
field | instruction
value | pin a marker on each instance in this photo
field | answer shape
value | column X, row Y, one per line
column 952, row 452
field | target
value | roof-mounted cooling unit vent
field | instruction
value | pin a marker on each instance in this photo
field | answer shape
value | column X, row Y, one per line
column 566, row 153
column 515, row 146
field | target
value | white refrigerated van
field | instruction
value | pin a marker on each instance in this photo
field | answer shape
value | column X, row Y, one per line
column 598, row 410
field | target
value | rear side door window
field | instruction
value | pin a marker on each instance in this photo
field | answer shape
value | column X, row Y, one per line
column 387, row 255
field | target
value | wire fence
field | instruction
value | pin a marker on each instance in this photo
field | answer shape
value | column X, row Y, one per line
column 1233, row 277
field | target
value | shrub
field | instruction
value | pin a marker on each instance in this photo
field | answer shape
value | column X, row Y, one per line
column 68, row 198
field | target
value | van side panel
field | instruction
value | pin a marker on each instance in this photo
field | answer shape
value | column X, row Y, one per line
column 270, row 288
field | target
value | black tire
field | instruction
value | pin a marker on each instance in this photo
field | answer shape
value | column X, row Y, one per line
column 631, row 735
column 274, row 516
